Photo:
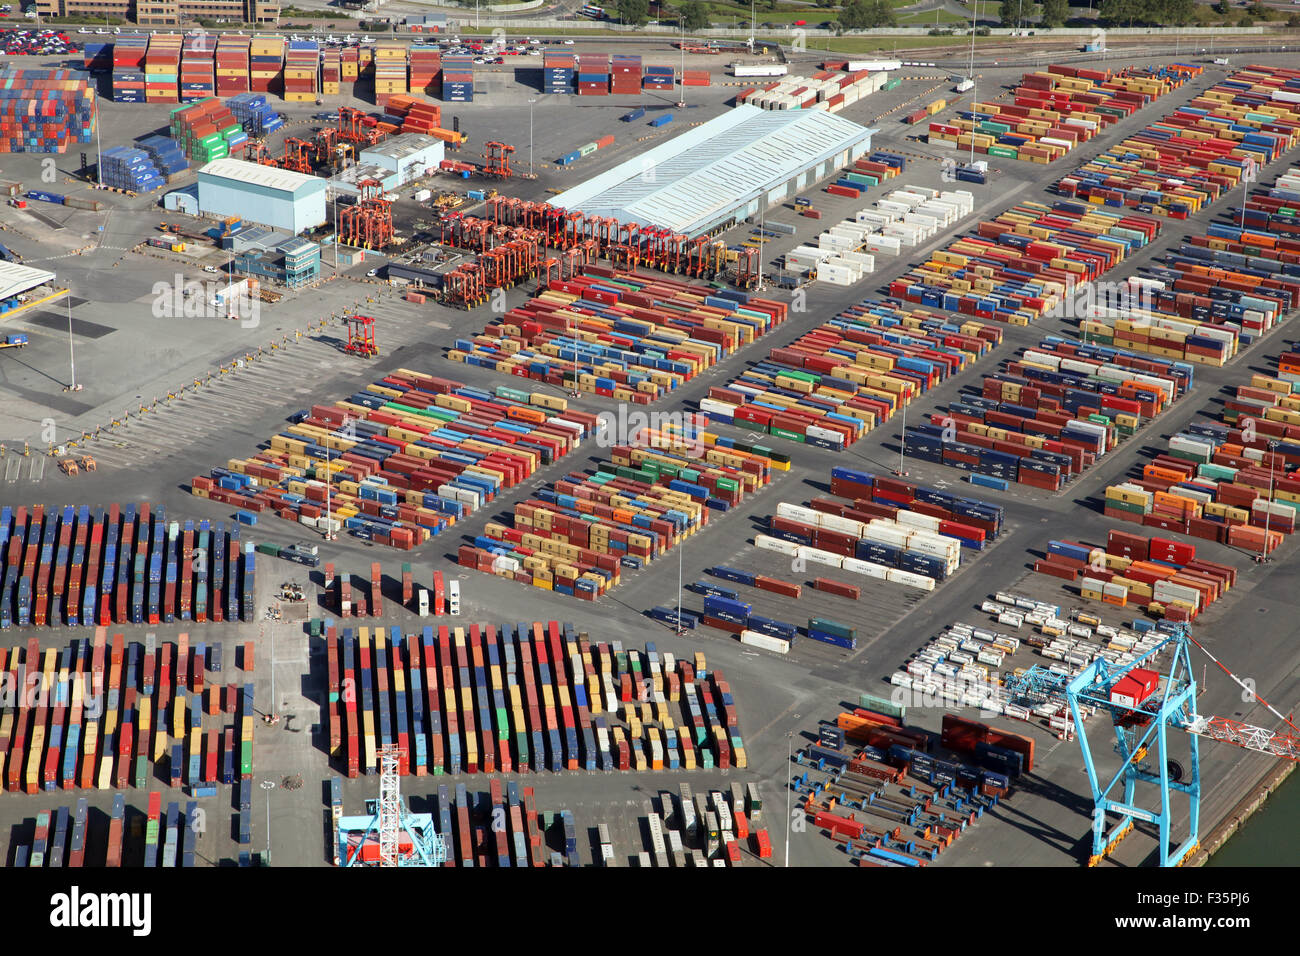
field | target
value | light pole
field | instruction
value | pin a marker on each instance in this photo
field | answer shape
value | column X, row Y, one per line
column 681, row 97
column 1268, row 512
column 531, row 101
column 680, row 629
column 72, row 358
column 789, row 758
column 974, row 91
column 268, row 786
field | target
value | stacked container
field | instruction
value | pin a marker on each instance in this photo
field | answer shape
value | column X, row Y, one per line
column 657, row 78
column 593, row 74
column 408, row 456
column 426, row 70
column 254, row 113
column 128, row 68
column 331, row 72
column 458, row 79
column 1199, row 152
column 390, row 70
column 45, row 111
column 630, row 337
column 162, row 67
column 166, row 154
column 130, row 169
column 302, row 71
column 349, row 62
column 207, row 130
column 198, row 69
column 835, row 383
column 266, row 64
column 1026, row 262
column 232, row 65
column 656, row 491
column 625, row 74
column 557, row 72
column 696, row 78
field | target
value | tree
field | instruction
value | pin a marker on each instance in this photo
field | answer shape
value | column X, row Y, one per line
column 1180, row 12
column 696, row 14
column 1055, row 13
column 867, row 14
column 1258, row 10
column 633, row 11
column 1008, row 10
column 1222, row 8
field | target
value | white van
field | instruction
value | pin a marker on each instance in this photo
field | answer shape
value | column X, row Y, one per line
column 453, row 597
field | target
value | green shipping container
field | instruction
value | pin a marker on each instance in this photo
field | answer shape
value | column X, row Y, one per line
column 246, row 757
column 782, row 433
column 882, row 705
column 831, row 627
column 1006, row 152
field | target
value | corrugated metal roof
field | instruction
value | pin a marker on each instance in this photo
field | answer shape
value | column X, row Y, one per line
column 692, row 181
column 258, row 174
column 16, row 279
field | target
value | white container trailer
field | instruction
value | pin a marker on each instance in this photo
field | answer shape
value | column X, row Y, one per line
column 759, row 69
column 874, row 66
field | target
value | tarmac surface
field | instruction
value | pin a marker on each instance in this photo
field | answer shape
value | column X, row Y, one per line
column 127, row 355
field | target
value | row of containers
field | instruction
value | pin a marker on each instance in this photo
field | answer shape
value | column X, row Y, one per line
column 835, row 383
column 701, row 828
column 1051, row 414
column 657, row 489
column 586, row 150
column 106, row 713
column 500, row 827
column 1054, row 110
column 1025, row 263
column 867, row 172
column 821, row 91
column 1163, row 575
column 891, row 530
column 621, row 335
column 874, row 786
column 349, row 601
column 1196, row 154
column 1232, row 481
column 45, row 111
column 1211, row 295
column 600, row 74
column 60, row 838
column 402, row 459
column 906, row 217
column 120, row 565
column 529, row 696
column 206, row 130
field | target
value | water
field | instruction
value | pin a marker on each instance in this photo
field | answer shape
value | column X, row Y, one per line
column 1262, row 840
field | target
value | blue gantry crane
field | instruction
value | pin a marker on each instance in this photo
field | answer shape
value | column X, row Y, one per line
column 390, row 835
column 1144, row 704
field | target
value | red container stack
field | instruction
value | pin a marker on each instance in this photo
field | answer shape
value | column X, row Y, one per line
column 198, row 77
column 232, row 65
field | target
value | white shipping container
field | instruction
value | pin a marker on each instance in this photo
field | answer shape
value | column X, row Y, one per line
column 818, row 556
column 884, row 245
column 767, row 543
column 759, row 69
column 866, row 263
column 765, row 641
column 874, row 66
column 868, row 568
column 919, row 581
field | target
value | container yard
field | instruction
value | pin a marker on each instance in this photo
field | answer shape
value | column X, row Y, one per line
column 578, row 422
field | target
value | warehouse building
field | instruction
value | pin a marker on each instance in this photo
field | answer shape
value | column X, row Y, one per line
column 723, row 171
column 294, row 202
column 395, row 163
column 18, row 280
